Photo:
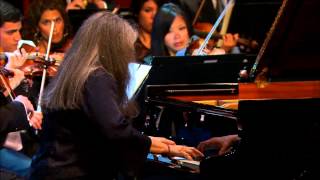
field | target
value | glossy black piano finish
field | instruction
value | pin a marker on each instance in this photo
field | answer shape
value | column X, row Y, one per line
column 278, row 111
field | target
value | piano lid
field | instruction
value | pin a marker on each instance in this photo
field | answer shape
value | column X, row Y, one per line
column 291, row 48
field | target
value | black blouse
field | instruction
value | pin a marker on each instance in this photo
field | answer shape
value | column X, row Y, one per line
column 93, row 141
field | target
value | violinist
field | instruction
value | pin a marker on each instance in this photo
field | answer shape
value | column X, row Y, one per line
column 14, row 116
column 203, row 14
column 171, row 33
column 10, row 26
column 41, row 14
column 13, row 110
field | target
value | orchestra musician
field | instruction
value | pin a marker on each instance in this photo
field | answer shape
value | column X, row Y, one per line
column 41, row 14
column 14, row 162
column 171, row 33
column 13, row 114
column 203, row 14
column 90, row 4
column 87, row 110
column 144, row 12
column 10, row 26
column 14, row 118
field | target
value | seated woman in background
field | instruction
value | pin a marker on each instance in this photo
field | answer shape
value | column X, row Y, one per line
column 171, row 33
column 144, row 12
column 41, row 15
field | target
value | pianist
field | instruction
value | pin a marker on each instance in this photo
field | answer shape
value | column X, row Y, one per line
column 86, row 110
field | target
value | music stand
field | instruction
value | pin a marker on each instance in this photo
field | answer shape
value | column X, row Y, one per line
column 198, row 69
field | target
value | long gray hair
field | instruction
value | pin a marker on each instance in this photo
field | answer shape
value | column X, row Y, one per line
column 103, row 41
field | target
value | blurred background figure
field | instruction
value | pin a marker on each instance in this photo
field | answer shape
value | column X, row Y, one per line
column 170, row 32
column 144, row 12
column 90, row 4
column 172, row 35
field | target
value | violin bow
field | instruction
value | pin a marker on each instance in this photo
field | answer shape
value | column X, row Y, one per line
column 215, row 26
column 225, row 24
column 44, row 72
column 198, row 12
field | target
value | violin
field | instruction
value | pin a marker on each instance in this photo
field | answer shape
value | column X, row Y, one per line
column 195, row 44
column 207, row 30
column 35, row 64
column 201, row 29
column 33, row 67
column 4, row 82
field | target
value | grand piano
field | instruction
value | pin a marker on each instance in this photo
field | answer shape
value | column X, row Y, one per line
column 275, row 110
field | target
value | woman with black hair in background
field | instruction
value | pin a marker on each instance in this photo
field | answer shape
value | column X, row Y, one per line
column 172, row 31
column 144, row 12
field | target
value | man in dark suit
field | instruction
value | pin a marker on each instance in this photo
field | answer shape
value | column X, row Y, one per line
column 13, row 117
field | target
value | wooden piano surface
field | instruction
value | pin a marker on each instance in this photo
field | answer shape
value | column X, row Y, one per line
column 271, row 90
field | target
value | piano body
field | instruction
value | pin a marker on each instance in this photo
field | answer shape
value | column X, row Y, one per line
column 275, row 112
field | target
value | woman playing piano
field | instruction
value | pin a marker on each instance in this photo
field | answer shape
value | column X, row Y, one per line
column 87, row 110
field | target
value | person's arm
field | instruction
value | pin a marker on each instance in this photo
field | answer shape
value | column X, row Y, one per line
column 223, row 143
column 12, row 117
column 102, row 107
column 76, row 4
column 16, row 59
column 229, row 42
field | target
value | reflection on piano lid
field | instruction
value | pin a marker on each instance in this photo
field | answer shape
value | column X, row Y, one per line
column 193, row 107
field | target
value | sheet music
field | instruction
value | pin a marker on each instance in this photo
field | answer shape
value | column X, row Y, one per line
column 138, row 73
